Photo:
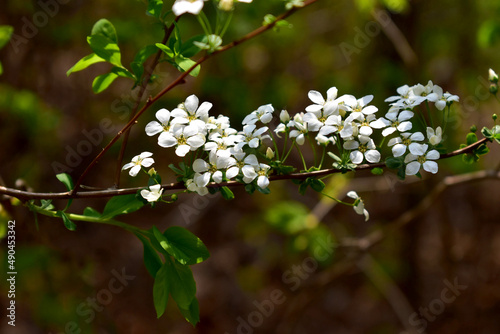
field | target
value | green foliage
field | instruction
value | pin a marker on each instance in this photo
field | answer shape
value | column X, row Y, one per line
column 5, row 35
column 226, row 193
column 161, row 289
column 155, row 8
column 119, row 205
column 184, row 246
column 151, row 259
column 314, row 183
column 67, row 222
column 68, row 182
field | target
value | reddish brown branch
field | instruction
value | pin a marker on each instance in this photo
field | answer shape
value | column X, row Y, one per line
column 25, row 195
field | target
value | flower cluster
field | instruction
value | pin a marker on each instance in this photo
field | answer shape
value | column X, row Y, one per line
column 195, row 6
column 219, row 153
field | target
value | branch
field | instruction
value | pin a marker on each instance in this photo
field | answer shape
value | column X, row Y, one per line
column 26, row 195
column 179, row 80
column 149, row 72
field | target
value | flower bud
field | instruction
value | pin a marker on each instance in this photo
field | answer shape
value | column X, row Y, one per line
column 492, row 76
column 173, row 197
column 494, row 116
column 493, row 88
column 226, row 4
column 473, row 128
column 269, row 153
column 152, row 172
column 284, row 116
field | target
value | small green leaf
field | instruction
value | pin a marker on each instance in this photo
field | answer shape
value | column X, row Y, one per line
column 393, row 163
column 377, row 171
column 102, row 82
column 105, row 49
column 317, row 185
column 154, row 8
column 334, row 157
column 66, row 179
column 184, row 246
column 47, row 204
column 161, row 289
column 85, row 62
column 91, row 212
column 189, row 48
column 140, row 58
column 165, row 49
column 120, row 205
column 151, row 259
column 105, row 28
column 67, row 222
column 226, row 193
column 185, row 64
column 181, row 283
column 192, row 314
column 486, row 132
column 5, row 34
column 471, row 138
column 68, row 182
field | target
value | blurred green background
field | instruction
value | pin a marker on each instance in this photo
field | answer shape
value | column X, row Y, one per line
column 263, row 248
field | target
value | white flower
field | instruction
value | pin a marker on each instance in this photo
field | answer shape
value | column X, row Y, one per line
column 212, row 169
column 187, row 6
column 252, row 136
column 329, row 105
column 189, row 113
column 364, row 148
column 300, row 131
column 263, row 113
column 245, row 164
column 492, row 76
column 418, row 157
column 153, row 194
column 186, row 138
column 401, row 143
column 142, row 159
column 222, row 142
column 406, row 99
column 261, row 173
column 395, row 120
column 324, row 140
column 435, row 137
column 359, row 205
column 154, row 127
column 441, row 100
column 193, row 187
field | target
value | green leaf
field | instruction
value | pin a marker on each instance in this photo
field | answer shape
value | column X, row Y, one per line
column 47, row 204
column 226, row 193
column 168, row 51
column 91, row 212
column 140, row 58
column 66, row 179
column 377, row 171
column 317, row 185
column 102, row 82
column 192, row 314
column 105, row 28
column 471, row 138
column 184, row 246
column 482, row 149
column 122, row 72
column 68, row 182
column 393, row 163
column 181, row 283
column 67, row 222
column 185, row 64
column 154, row 8
column 189, row 48
column 151, row 259
column 161, row 289
column 486, row 132
column 105, row 48
column 85, row 62
column 1, row 69
column 5, row 35
column 120, row 205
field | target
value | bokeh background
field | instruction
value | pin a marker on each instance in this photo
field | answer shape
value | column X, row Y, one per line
column 264, row 248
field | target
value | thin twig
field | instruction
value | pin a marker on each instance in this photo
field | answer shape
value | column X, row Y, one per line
column 149, row 72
